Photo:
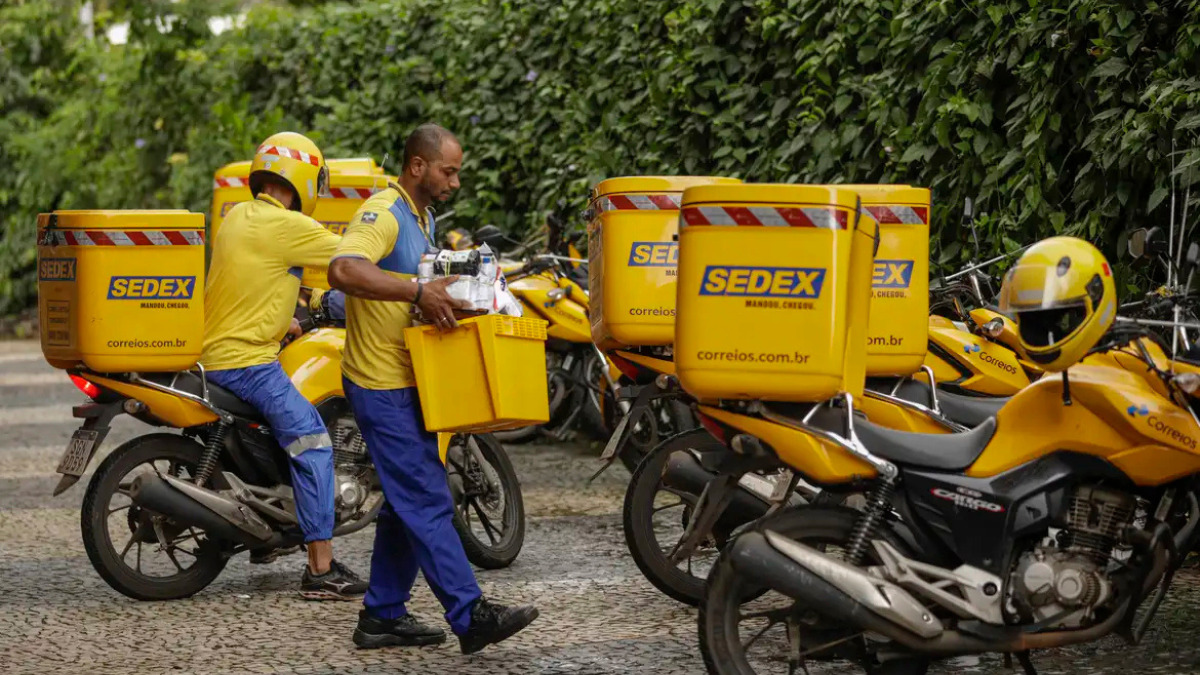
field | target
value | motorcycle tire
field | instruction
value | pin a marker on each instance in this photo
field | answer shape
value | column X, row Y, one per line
column 637, row 519
column 95, row 513
column 518, row 435
column 720, row 641
column 467, row 474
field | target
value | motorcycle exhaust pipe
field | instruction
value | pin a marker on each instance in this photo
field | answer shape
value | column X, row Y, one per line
column 849, row 595
column 198, row 507
column 841, row 591
column 684, row 472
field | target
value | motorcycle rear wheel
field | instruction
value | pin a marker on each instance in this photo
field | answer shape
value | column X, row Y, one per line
column 719, row 621
column 182, row 455
column 485, row 488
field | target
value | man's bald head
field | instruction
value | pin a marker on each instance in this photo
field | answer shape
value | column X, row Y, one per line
column 432, row 161
column 426, row 142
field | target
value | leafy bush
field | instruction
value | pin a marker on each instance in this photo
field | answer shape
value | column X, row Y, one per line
column 1059, row 116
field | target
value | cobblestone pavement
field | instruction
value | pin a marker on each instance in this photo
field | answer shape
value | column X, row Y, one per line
column 598, row 615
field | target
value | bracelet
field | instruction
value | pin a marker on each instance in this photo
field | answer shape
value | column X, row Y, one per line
column 417, row 298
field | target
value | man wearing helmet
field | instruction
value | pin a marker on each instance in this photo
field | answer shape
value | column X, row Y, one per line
column 250, row 296
column 375, row 266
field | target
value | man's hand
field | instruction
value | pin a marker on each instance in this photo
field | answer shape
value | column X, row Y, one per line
column 437, row 305
column 294, row 329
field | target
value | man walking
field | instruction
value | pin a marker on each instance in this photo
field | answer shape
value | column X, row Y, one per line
column 376, row 267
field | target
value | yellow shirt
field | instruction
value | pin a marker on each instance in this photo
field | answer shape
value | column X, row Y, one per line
column 254, row 280
column 388, row 231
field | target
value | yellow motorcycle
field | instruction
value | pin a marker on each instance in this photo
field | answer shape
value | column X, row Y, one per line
column 695, row 492
column 1049, row 525
column 165, row 511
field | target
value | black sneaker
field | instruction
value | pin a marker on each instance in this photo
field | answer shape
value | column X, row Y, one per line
column 339, row 583
column 492, row 623
column 373, row 632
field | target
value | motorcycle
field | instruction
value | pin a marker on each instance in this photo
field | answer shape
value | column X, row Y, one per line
column 720, row 492
column 1048, row 525
column 221, row 485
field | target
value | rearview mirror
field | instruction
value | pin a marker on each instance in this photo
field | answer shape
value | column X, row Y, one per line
column 1137, row 243
column 1156, row 241
column 490, row 235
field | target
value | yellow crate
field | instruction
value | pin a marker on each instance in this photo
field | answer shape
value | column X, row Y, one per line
column 632, row 258
column 487, row 375
column 767, row 307
column 351, row 182
column 121, row 291
column 897, row 332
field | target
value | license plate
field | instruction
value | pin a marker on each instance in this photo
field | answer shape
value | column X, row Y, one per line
column 79, row 451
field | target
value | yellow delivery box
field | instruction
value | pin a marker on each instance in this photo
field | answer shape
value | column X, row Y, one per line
column 767, row 307
column 489, row 374
column 632, row 255
column 121, row 291
column 898, row 330
column 351, row 182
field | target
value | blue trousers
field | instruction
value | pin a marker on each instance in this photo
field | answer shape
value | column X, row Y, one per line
column 415, row 529
column 299, row 430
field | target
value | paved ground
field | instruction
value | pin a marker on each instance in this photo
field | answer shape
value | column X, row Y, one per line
column 598, row 614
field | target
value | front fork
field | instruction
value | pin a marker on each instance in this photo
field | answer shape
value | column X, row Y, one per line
column 623, row 404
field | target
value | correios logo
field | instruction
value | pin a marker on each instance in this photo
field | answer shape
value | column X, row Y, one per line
column 989, row 359
column 1158, row 424
column 763, row 282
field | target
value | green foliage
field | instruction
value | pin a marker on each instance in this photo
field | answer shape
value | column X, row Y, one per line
column 1058, row 116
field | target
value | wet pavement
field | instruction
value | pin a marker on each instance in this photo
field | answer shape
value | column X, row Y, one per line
column 598, row 615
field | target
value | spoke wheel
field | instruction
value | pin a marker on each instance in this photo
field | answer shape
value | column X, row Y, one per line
column 142, row 554
column 489, row 512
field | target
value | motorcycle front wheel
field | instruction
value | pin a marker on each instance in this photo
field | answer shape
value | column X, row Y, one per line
column 124, row 541
column 489, row 512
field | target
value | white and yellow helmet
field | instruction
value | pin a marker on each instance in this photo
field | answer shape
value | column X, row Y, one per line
column 299, row 162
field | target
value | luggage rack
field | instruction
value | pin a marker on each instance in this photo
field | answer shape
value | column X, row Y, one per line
column 171, row 389
column 935, row 412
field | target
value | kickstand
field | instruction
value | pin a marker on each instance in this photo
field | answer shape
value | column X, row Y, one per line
column 1023, row 659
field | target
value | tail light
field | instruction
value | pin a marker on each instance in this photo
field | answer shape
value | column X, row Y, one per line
column 713, row 427
column 629, row 368
column 89, row 389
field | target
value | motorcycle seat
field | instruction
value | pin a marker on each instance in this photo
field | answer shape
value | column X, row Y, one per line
column 945, row 452
column 189, row 382
column 969, row 411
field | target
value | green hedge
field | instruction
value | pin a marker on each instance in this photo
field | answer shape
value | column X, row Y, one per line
column 1058, row 115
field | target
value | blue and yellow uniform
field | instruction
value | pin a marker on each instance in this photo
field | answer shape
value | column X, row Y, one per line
column 415, row 528
column 249, row 298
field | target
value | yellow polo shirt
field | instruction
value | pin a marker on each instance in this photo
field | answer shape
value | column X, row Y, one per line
column 388, row 231
column 254, row 280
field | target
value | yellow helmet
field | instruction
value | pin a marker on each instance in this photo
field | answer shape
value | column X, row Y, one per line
column 299, row 162
column 1062, row 294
